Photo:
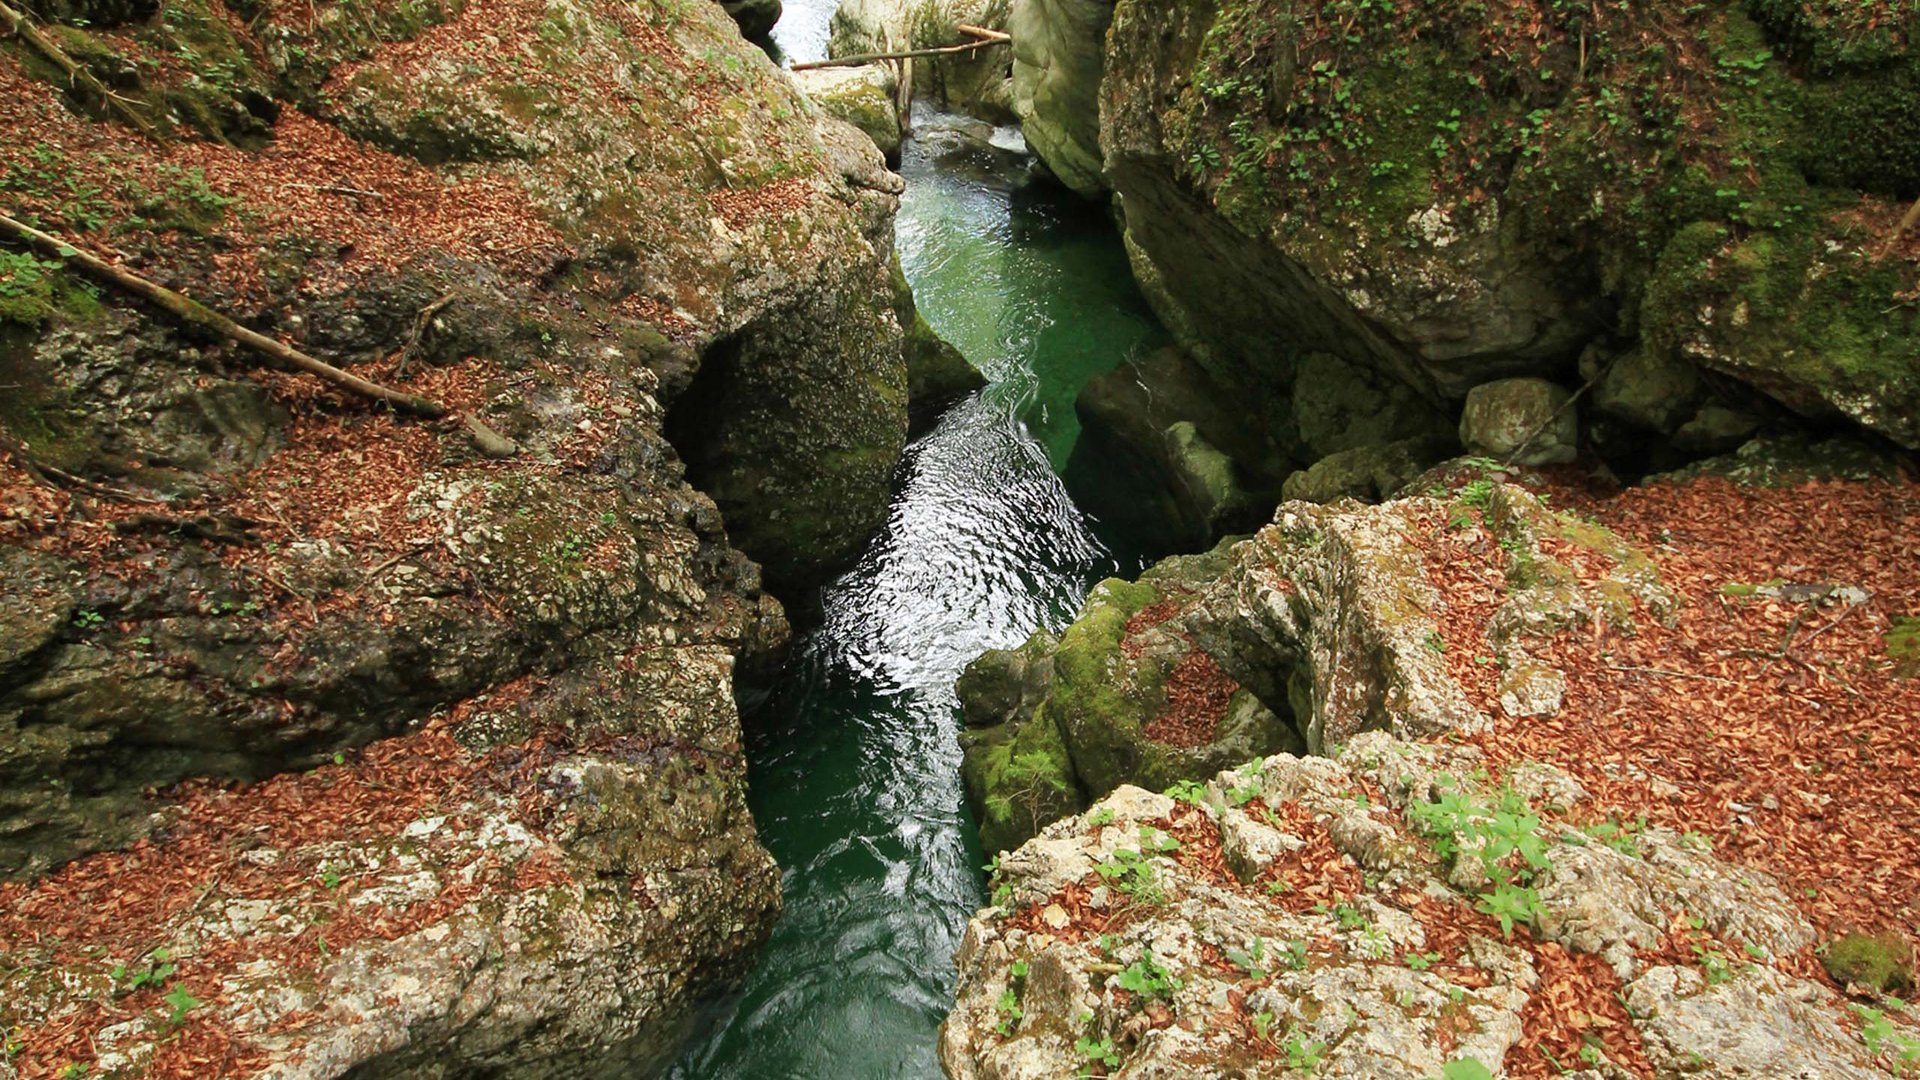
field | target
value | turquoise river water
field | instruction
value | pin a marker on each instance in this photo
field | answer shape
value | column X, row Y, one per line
column 855, row 761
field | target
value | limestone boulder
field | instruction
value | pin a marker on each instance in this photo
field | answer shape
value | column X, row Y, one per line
column 1059, row 51
column 1526, row 421
column 1339, row 932
column 862, row 96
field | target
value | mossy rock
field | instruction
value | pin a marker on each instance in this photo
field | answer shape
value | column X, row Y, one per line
column 1050, row 744
column 1783, row 460
column 1880, row 962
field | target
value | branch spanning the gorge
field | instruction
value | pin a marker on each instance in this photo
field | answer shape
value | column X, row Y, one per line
column 984, row 38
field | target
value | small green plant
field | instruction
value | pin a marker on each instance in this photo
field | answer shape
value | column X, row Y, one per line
column 1295, row 955
column 1157, row 842
column 1303, row 1053
column 88, row 619
column 1511, row 904
column 1148, row 978
column 1422, row 961
column 181, row 1003
column 1465, row 1069
column 159, row 968
column 1883, row 1037
column 1713, row 964
column 1476, row 494
column 1187, row 791
column 1621, row 837
column 1131, row 873
column 1250, row 959
column 1101, row 817
column 1504, row 837
column 1262, row 1024
column 1097, row 1052
column 1009, row 1004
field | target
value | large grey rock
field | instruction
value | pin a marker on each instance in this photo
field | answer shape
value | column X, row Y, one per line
column 1342, row 934
column 862, row 96
column 1058, row 56
column 977, row 83
column 1524, row 421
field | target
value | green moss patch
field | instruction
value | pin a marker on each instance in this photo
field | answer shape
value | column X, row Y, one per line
column 1880, row 962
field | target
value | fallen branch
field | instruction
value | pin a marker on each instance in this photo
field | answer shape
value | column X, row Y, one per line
column 419, row 331
column 19, row 24
column 1668, row 673
column 56, row 477
column 213, row 528
column 1900, row 230
column 983, row 32
column 204, row 318
column 336, row 189
column 984, row 39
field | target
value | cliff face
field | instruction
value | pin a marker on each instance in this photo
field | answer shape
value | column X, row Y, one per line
column 525, row 849
column 1697, row 215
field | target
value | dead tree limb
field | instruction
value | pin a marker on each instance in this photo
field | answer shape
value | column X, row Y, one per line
column 18, row 23
column 1900, row 230
column 983, row 39
column 203, row 318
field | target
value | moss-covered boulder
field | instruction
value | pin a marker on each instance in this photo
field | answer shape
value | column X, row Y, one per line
column 1125, row 695
column 1447, row 196
column 862, row 96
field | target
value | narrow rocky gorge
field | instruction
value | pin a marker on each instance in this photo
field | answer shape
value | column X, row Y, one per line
column 339, row 742
column 1531, row 689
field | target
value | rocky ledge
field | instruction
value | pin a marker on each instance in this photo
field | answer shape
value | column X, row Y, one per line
column 339, row 742
column 1539, row 775
column 1389, row 913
